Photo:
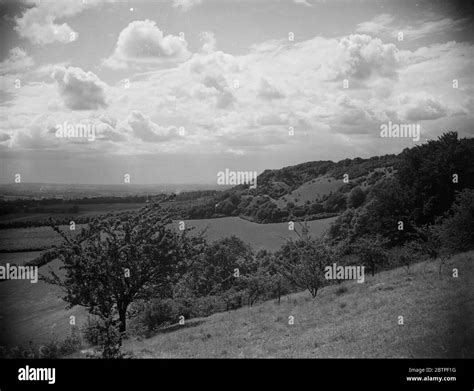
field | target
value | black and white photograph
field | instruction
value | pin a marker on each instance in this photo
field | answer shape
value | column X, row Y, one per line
column 267, row 179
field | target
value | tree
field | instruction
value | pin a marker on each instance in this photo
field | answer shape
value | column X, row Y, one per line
column 456, row 229
column 356, row 197
column 433, row 172
column 335, row 202
column 302, row 262
column 119, row 259
column 370, row 252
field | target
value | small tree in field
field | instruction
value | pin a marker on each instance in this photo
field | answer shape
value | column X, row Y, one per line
column 371, row 252
column 117, row 260
column 302, row 261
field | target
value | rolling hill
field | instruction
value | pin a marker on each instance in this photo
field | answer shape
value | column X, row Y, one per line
column 348, row 320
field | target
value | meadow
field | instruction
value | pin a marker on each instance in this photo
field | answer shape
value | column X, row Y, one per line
column 269, row 236
column 349, row 320
column 33, row 312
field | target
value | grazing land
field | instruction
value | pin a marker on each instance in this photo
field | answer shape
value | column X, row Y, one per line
column 33, row 312
column 348, row 320
column 268, row 236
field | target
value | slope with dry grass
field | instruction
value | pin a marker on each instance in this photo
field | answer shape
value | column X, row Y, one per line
column 347, row 320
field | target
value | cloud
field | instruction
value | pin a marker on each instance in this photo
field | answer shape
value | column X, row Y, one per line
column 268, row 92
column 377, row 25
column 421, row 107
column 387, row 26
column 303, row 2
column 430, row 28
column 186, row 5
column 361, row 56
column 142, row 44
column 17, row 61
column 38, row 22
column 146, row 130
column 80, row 90
column 209, row 41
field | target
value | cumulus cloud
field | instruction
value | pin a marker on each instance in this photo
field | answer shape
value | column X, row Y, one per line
column 421, row 107
column 146, row 130
column 209, row 41
column 17, row 61
column 80, row 90
column 143, row 44
column 39, row 22
column 362, row 56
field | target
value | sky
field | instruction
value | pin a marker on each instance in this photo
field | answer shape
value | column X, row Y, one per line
column 177, row 91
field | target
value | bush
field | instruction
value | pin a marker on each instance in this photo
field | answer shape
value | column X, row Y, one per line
column 91, row 331
column 356, row 198
column 105, row 334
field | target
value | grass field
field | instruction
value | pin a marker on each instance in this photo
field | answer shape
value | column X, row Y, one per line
column 33, row 238
column 310, row 191
column 269, row 236
column 33, row 312
column 438, row 314
column 85, row 210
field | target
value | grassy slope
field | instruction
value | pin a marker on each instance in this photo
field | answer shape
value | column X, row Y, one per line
column 33, row 312
column 36, row 312
column 310, row 191
column 438, row 314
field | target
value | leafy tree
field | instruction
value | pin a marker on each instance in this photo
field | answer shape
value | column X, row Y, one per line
column 119, row 259
column 302, row 261
column 428, row 172
column 335, row 202
column 356, row 197
column 371, row 252
column 456, row 230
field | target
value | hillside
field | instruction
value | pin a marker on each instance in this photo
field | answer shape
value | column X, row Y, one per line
column 307, row 191
column 347, row 320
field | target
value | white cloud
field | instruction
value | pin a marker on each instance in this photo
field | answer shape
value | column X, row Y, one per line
column 377, row 25
column 420, row 107
column 142, row 44
column 39, row 22
column 386, row 25
column 209, row 41
column 17, row 61
column 361, row 56
column 80, row 90
column 146, row 130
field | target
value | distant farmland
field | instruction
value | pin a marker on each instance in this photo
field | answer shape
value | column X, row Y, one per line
column 269, row 236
